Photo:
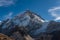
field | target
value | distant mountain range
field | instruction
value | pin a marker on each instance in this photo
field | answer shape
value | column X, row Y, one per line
column 34, row 24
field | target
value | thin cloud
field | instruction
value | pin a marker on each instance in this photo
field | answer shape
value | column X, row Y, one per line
column 57, row 18
column 55, row 12
column 0, row 21
column 9, row 16
column 7, row 2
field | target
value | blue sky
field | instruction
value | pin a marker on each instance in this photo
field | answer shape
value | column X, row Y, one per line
column 47, row 9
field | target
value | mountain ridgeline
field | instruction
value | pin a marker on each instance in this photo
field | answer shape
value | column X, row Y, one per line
column 33, row 23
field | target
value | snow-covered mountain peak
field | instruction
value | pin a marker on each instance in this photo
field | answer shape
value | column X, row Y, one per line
column 30, row 20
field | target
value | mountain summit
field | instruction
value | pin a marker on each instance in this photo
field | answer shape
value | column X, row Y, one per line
column 30, row 20
column 29, row 23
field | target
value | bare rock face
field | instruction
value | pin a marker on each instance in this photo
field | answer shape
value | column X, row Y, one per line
column 17, row 36
column 20, row 33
